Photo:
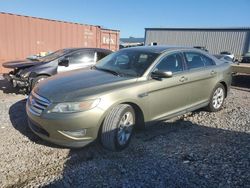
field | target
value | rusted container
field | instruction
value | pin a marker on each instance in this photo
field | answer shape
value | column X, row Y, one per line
column 21, row 36
column 109, row 39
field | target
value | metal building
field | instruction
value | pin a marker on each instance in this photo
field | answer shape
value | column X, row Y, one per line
column 21, row 36
column 216, row 40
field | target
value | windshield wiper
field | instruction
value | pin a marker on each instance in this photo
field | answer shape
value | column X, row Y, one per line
column 107, row 70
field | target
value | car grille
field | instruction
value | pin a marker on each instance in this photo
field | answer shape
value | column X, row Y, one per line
column 37, row 104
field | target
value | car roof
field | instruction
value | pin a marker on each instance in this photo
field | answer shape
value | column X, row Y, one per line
column 98, row 49
column 158, row 49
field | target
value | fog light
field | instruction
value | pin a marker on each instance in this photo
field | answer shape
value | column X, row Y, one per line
column 77, row 133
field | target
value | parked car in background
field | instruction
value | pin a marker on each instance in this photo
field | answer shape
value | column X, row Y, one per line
column 225, row 58
column 246, row 58
column 201, row 48
column 124, row 91
column 228, row 54
column 27, row 73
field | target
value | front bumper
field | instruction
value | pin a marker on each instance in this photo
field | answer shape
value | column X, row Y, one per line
column 49, row 126
column 8, row 77
column 16, row 81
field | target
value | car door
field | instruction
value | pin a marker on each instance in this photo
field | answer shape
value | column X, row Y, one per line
column 200, row 77
column 167, row 96
column 77, row 60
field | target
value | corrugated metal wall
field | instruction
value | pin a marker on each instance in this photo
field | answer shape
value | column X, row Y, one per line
column 21, row 36
column 215, row 41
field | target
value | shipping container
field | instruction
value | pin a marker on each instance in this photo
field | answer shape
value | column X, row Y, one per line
column 22, row 36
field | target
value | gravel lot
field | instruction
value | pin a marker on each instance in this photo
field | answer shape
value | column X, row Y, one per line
column 199, row 149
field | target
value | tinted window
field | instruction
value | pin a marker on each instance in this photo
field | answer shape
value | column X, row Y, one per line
column 197, row 60
column 194, row 60
column 100, row 55
column 82, row 57
column 171, row 63
column 207, row 61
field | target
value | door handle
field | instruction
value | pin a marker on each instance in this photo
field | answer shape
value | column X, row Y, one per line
column 212, row 72
column 182, row 79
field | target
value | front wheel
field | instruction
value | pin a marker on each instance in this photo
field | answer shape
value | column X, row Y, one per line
column 217, row 98
column 118, row 127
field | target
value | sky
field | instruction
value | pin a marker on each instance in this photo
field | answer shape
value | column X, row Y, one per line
column 132, row 16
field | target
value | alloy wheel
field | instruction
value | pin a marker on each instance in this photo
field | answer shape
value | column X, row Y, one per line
column 218, row 98
column 125, row 128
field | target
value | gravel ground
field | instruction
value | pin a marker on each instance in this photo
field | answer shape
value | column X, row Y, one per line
column 199, row 149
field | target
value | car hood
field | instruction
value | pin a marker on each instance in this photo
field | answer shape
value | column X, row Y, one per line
column 79, row 84
column 20, row 64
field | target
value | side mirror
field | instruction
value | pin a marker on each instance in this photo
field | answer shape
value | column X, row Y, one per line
column 160, row 74
column 64, row 62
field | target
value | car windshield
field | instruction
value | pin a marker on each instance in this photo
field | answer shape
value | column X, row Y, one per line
column 132, row 63
column 53, row 55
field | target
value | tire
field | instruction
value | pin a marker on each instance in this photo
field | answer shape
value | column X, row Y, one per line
column 217, row 98
column 36, row 80
column 114, row 135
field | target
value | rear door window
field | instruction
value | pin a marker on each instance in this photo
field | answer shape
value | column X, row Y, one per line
column 197, row 60
column 194, row 60
column 208, row 61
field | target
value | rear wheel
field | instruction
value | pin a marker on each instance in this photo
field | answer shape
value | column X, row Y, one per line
column 38, row 79
column 217, row 98
column 118, row 127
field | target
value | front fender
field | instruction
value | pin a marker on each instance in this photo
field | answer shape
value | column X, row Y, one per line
column 42, row 71
column 107, row 106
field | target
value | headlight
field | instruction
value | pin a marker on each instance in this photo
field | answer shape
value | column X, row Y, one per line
column 69, row 107
column 25, row 75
